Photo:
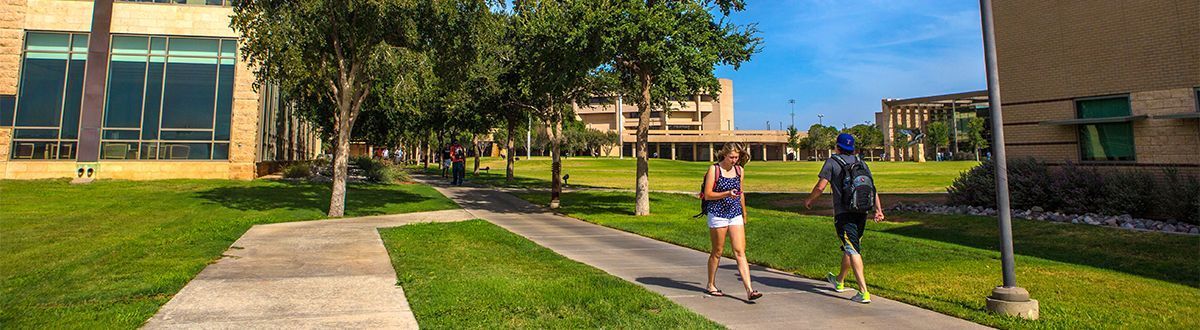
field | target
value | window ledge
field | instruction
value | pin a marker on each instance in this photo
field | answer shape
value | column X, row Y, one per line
column 1088, row 121
column 1185, row 115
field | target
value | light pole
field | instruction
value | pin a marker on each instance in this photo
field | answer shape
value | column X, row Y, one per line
column 793, row 103
column 620, row 128
column 1008, row 299
column 821, row 119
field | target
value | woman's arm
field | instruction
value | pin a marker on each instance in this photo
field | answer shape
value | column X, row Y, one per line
column 742, row 199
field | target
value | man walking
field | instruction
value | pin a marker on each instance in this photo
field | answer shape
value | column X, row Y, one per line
column 849, row 213
column 458, row 155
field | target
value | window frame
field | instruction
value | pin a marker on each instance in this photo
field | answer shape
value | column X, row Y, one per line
column 158, row 142
column 58, row 141
column 1079, row 135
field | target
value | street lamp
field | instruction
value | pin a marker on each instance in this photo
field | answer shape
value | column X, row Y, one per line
column 793, row 103
column 821, row 119
column 1008, row 299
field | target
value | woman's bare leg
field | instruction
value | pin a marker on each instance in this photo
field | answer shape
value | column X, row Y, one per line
column 717, row 236
column 737, row 234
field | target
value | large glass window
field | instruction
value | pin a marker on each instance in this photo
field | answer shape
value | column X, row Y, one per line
column 45, row 112
column 169, row 98
column 1107, row 141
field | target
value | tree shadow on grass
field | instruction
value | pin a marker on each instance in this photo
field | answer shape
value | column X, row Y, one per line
column 1153, row 255
column 361, row 199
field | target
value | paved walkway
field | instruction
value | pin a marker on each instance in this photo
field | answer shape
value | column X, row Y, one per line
column 678, row 273
column 313, row 274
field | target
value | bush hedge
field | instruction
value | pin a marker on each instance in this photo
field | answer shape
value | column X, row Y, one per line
column 1081, row 189
column 379, row 171
column 297, row 171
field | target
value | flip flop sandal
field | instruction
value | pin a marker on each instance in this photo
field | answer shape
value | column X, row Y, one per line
column 755, row 295
column 716, row 293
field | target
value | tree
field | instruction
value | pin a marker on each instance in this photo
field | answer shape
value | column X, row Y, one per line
column 557, row 46
column 820, row 138
column 794, row 138
column 662, row 49
column 867, row 137
column 975, row 129
column 937, row 134
column 326, row 50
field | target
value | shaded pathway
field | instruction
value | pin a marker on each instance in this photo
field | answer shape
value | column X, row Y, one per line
column 313, row 274
column 678, row 272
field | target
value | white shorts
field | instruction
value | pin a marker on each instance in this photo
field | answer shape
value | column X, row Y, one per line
column 719, row 222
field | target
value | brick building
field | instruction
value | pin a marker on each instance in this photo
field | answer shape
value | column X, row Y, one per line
column 1105, row 83
column 177, row 101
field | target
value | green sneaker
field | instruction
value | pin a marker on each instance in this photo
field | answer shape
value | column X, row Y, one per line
column 862, row 297
column 837, row 286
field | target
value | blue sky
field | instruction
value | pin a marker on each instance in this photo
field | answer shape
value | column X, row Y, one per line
column 839, row 58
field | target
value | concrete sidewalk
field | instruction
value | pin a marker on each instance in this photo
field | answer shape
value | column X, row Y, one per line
column 678, row 273
column 314, row 274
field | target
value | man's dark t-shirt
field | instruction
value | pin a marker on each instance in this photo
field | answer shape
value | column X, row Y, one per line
column 832, row 171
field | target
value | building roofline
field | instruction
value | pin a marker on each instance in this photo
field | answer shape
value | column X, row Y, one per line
column 972, row 96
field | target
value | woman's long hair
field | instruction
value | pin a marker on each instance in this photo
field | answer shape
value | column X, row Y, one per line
column 731, row 147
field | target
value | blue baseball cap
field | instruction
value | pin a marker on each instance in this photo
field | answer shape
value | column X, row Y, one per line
column 845, row 141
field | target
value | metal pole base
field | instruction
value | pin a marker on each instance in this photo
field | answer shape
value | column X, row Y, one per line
column 1012, row 301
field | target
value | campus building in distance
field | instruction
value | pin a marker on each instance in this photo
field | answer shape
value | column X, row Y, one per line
column 694, row 128
column 1115, row 84
column 914, row 114
column 175, row 101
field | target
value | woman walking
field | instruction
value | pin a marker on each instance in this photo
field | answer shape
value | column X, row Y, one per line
column 725, row 206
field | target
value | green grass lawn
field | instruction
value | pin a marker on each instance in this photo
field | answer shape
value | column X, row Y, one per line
column 1083, row 276
column 110, row 253
column 475, row 274
column 685, row 176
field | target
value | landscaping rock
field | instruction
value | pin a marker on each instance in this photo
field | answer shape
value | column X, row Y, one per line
column 1168, row 228
column 1194, row 230
column 1036, row 209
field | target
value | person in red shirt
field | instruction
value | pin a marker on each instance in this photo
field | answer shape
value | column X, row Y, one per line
column 458, row 156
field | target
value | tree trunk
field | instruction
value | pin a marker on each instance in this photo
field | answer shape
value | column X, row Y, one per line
column 478, row 150
column 642, row 188
column 425, row 151
column 511, row 150
column 554, row 130
column 337, row 199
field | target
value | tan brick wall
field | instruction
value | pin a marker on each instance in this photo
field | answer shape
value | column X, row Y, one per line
column 1166, row 141
column 1062, row 49
column 5, row 147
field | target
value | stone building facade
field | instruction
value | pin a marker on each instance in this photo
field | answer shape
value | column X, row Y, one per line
column 1116, row 84
column 159, row 118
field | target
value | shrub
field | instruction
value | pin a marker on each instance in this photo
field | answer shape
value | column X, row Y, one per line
column 1180, row 197
column 975, row 187
column 1080, row 189
column 297, row 171
column 378, row 171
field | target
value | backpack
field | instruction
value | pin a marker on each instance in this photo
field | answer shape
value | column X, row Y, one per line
column 858, row 188
column 704, row 202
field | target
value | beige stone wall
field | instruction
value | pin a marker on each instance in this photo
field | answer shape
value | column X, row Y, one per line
column 136, row 18
column 12, row 19
column 1064, row 49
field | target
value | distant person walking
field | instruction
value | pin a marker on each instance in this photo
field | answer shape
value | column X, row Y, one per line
column 726, row 208
column 458, row 156
column 445, row 160
column 853, row 196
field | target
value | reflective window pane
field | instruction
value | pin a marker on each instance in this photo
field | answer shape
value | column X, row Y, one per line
column 1107, row 142
column 221, row 151
column 66, row 150
column 130, row 45
column 110, row 134
column 180, row 151
column 35, row 133
column 189, row 95
column 126, row 81
column 57, row 42
column 34, row 150
column 149, row 150
column 119, row 150
column 41, row 91
column 229, row 48
column 158, row 46
column 192, row 47
column 186, row 135
column 73, row 103
column 8, row 104
column 1102, row 108
column 152, row 105
column 79, row 43
column 224, row 102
